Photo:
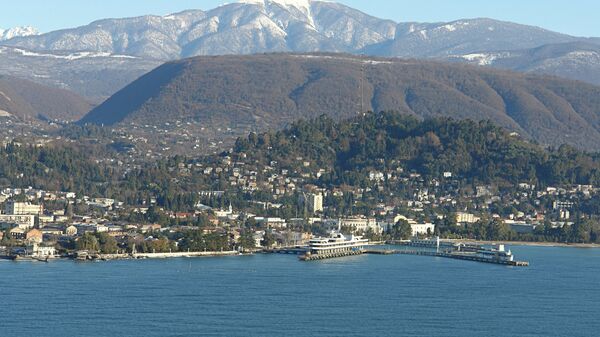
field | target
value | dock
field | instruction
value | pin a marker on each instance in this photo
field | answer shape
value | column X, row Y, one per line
column 453, row 255
column 315, row 257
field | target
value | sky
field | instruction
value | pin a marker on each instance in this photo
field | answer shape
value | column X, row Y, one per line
column 575, row 17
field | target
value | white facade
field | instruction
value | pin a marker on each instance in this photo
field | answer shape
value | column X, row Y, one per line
column 466, row 218
column 422, row 229
column 22, row 221
column 40, row 251
column 361, row 224
column 315, row 203
column 23, row 208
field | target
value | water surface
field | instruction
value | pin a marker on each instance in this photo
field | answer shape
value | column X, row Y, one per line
column 276, row 295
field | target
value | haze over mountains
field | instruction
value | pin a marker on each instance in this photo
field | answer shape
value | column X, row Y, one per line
column 269, row 91
column 26, row 100
column 257, row 26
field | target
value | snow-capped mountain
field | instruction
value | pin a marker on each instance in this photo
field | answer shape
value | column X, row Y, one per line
column 575, row 60
column 6, row 34
column 254, row 26
column 248, row 26
column 260, row 26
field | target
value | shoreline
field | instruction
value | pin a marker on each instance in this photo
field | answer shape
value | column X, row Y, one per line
column 113, row 257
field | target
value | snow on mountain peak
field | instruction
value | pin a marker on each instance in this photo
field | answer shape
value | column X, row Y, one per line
column 303, row 5
column 17, row 32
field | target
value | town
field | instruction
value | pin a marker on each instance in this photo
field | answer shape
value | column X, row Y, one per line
column 282, row 208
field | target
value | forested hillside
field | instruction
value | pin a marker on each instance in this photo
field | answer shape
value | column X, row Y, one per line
column 476, row 151
column 262, row 92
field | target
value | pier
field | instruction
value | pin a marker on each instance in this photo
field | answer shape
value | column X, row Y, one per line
column 288, row 250
column 449, row 255
column 323, row 256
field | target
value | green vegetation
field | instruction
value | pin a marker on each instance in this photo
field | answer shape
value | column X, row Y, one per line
column 474, row 151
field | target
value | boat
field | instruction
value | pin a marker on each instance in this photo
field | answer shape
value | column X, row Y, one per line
column 336, row 245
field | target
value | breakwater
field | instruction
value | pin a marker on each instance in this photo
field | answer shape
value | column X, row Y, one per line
column 449, row 255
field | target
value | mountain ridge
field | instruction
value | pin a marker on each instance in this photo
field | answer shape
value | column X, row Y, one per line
column 226, row 92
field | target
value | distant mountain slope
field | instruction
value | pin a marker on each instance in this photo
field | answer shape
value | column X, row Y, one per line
column 463, row 36
column 575, row 60
column 269, row 91
column 26, row 100
column 93, row 75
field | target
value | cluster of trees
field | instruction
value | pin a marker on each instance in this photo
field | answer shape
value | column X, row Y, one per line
column 198, row 241
column 476, row 151
column 60, row 168
column 583, row 230
column 97, row 242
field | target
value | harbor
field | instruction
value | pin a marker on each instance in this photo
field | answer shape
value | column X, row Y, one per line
column 338, row 246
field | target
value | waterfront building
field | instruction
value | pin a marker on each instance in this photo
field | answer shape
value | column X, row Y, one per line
column 360, row 224
column 39, row 251
column 422, row 229
column 34, row 236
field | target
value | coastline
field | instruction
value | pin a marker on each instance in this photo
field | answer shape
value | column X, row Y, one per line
column 137, row 256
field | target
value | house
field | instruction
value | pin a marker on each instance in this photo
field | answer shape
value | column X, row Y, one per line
column 36, row 250
column 71, row 231
column 17, row 233
column 34, row 236
column 23, row 221
column 51, row 231
column 150, row 228
column 422, row 228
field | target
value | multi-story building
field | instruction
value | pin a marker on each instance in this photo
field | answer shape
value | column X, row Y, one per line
column 312, row 201
column 360, row 224
column 23, row 208
column 462, row 217
column 22, row 221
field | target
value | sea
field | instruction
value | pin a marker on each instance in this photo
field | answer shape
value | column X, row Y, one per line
column 277, row 295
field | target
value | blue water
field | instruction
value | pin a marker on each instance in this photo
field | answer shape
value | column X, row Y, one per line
column 276, row 295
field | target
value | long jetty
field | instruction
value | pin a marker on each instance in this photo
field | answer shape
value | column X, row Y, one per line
column 456, row 256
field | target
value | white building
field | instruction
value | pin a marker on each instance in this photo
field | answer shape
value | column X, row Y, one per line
column 313, row 202
column 361, row 224
column 462, row 217
column 38, row 251
column 272, row 222
column 422, row 229
column 417, row 228
column 22, row 221
column 23, row 208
